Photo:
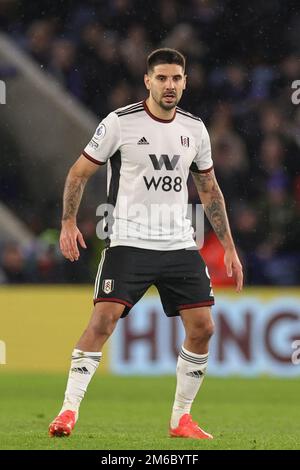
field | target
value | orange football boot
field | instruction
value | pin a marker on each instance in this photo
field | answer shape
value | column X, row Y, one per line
column 189, row 428
column 63, row 424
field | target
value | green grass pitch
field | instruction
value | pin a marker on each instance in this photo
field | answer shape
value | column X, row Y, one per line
column 133, row 413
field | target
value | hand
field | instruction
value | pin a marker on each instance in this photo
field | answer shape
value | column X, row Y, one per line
column 68, row 240
column 233, row 266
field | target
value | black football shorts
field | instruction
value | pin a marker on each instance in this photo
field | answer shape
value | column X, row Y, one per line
column 180, row 276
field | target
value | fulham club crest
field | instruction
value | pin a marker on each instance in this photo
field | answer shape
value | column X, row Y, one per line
column 108, row 285
column 185, row 141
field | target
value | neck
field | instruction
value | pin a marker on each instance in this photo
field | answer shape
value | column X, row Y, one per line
column 158, row 111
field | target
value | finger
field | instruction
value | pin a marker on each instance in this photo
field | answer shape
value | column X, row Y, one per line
column 239, row 280
column 64, row 248
column 229, row 269
column 73, row 248
column 69, row 251
column 68, row 255
column 81, row 240
column 67, row 244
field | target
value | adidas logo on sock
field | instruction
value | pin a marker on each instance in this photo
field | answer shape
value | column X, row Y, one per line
column 195, row 373
column 80, row 370
column 143, row 141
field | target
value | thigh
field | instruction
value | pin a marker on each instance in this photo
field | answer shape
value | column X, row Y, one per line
column 185, row 282
column 124, row 274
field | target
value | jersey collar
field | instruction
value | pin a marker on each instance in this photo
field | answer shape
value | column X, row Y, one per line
column 156, row 118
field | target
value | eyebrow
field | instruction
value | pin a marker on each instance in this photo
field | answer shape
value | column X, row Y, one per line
column 161, row 75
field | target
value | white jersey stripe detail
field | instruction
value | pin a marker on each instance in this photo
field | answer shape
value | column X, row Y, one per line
column 99, row 272
column 130, row 111
column 188, row 115
column 129, row 107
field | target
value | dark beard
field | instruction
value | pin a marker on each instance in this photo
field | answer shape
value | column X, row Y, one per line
column 168, row 106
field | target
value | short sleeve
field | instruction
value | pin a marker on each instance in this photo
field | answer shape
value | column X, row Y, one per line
column 202, row 162
column 106, row 140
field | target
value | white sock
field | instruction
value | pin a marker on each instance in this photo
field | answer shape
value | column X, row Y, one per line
column 190, row 372
column 83, row 366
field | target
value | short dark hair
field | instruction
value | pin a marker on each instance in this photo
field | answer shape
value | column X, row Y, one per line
column 165, row 56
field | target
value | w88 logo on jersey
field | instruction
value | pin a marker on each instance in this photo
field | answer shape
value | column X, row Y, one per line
column 166, row 183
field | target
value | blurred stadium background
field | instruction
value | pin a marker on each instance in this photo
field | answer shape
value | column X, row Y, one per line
column 65, row 65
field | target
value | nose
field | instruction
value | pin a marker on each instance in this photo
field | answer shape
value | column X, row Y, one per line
column 170, row 84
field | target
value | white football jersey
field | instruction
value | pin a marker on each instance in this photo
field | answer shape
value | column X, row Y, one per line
column 149, row 160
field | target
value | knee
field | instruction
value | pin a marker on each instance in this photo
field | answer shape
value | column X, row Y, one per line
column 208, row 330
column 103, row 322
column 202, row 331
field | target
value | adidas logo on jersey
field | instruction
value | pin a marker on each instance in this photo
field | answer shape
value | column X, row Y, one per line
column 143, row 141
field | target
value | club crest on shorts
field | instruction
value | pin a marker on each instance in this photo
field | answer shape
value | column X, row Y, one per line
column 108, row 285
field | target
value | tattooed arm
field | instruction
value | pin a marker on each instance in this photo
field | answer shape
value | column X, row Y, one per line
column 74, row 186
column 214, row 205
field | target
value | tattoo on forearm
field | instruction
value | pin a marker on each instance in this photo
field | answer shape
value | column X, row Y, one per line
column 215, row 211
column 213, row 201
column 72, row 196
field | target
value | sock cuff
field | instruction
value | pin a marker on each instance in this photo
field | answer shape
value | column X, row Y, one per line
column 193, row 357
column 94, row 355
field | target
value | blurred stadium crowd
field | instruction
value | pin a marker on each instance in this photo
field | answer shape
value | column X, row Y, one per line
column 242, row 58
